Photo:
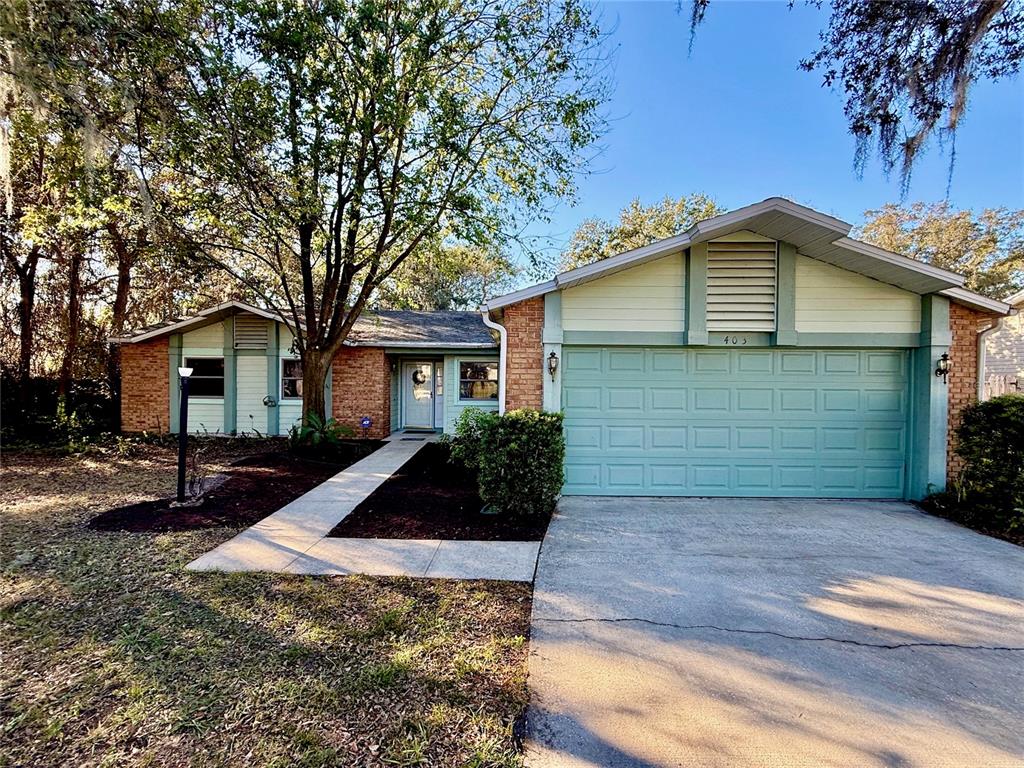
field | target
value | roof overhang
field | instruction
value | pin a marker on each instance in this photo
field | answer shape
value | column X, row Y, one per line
column 207, row 316
column 977, row 301
column 398, row 344
column 813, row 233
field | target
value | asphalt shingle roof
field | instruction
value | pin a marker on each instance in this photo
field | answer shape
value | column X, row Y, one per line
column 397, row 327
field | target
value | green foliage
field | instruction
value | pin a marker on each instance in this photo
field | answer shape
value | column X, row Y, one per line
column 448, row 276
column 989, row 493
column 520, row 464
column 319, row 432
column 467, row 444
column 986, row 247
column 638, row 225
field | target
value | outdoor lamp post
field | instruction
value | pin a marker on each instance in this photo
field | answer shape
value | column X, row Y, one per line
column 183, row 374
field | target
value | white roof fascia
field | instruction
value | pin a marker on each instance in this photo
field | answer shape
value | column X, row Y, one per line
column 700, row 231
column 858, row 246
column 709, row 227
column 522, row 294
column 198, row 318
column 978, row 301
column 621, row 261
column 726, row 222
column 1015, row 298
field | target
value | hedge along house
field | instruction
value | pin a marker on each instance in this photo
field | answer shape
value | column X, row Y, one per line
column 397, row 370
column 761, row 353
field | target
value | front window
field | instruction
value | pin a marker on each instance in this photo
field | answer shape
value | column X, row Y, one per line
column 478, row 380
column 291, row 378
column 207, row 378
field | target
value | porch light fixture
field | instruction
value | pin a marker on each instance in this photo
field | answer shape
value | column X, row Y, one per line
column 552, row 365
column 943, row 366
column 183, row 374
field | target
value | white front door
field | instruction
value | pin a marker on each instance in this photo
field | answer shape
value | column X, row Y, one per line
column 418, row 395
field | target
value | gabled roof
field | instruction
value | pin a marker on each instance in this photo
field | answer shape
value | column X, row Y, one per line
column 814, row 234
column 388, row 328
column 410, row 328
column 207, row 316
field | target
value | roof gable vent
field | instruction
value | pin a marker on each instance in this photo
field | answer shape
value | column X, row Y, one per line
column 741, row 285
column 251, row 332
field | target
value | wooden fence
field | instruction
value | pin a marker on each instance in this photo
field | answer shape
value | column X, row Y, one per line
column 1001, row 384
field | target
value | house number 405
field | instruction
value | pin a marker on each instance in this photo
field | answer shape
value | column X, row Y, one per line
column 741, row 340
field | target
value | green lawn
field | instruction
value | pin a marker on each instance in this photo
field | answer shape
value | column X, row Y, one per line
column 112, row 654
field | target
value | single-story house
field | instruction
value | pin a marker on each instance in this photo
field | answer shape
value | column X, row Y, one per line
column 1004, row 352
column 761, row 353
column 398, row 369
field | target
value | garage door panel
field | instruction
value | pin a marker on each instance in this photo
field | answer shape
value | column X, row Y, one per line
column 663, row 428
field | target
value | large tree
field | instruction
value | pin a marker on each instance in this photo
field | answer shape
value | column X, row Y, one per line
column 906, row 67
column 987, row 247
column 448, row 276
column 638, row 225
column 309, row 149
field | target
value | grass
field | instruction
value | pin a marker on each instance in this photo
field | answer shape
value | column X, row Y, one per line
column 112, row 654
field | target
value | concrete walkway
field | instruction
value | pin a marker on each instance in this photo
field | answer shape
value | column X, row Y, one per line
column 294, row 539
column 732, row 633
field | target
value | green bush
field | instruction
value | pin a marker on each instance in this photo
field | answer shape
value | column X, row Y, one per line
column 520, row 469
column 989, row 491
column 467, row 444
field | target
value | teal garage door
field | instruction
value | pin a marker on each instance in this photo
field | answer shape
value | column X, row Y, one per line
column 730, row 422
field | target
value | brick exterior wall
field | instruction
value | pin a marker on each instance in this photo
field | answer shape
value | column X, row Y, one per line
column 524, row 361
column 361, row 386
column 964, row 323
column 145, row 382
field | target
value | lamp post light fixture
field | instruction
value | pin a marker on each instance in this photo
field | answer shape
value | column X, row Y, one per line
column 183, row 376
column 942, row 366
column 552, row 365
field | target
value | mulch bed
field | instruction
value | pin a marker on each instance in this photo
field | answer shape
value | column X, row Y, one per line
column 939, row 510
column 256, row 486
column 431, row 498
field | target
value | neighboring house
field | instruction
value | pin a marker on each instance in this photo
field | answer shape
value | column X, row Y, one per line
column 761, row 353
column 1004, row 353
column 400, row 369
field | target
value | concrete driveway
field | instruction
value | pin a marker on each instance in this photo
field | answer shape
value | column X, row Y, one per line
column 729, row 632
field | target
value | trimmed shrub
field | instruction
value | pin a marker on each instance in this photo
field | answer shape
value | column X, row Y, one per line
column 989, row 493
column 520, row 464
column 467, row 444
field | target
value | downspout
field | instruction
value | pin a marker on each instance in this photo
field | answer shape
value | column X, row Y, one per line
column 982, row 336
column 503, row 342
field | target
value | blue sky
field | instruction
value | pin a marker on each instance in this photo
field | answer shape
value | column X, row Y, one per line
column 740, row 122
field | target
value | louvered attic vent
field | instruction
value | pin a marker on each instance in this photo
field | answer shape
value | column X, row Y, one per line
column 250, row 332
column 741, row 286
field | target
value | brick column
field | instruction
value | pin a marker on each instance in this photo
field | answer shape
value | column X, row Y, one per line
column 361, row 386
column 524, row 360
column 964, row 323
column 145, row 382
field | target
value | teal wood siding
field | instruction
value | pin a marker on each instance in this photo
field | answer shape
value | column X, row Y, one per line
column 727, row 422
column 453, row 407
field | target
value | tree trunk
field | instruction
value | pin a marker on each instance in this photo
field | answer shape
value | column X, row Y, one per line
column 67, row 366
column 125, row 261
column 314, row 376
column 26, row 330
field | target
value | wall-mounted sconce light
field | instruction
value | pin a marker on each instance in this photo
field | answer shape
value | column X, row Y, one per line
column 552, row 365
column 270, row 401
column 942, row 366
